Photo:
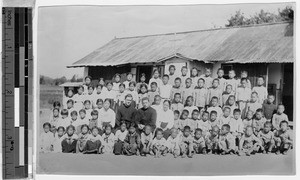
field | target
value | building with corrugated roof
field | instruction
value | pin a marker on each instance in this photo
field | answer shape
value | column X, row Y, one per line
column 265, row 49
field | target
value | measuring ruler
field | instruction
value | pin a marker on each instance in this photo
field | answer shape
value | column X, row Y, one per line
column 17, row 83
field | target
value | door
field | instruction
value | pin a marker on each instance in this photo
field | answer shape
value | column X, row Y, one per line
column 147, row 70
column 288, row 89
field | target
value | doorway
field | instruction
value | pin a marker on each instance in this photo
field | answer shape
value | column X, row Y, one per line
column 147, row 70
column 288, row 89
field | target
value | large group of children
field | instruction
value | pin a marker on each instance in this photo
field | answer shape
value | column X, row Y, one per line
column 194, row 114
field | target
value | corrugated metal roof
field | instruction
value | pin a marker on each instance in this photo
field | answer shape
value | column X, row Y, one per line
column 266, row 43
column 71, row 84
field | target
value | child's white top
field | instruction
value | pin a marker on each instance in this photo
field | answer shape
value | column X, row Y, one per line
column 262, row 92
column 135, row 95
column 204, row 126
column 78, row 104
column 116, row 86
column 83, row 121
column 223, row 120
column 158, row 107
column 108, row 139
column 173, row 143
column 277, row 118
column 107, row 116
column 190, row 110
column 65, row 100
column 165, row 91
column 253, row 106
column 243, row 94
column 110, row 95
column 233, row 82
column 46, row 141
column 159, row 142
column 208, row 80
column 57, row 143
column 75, row 123
column 236, row 126
column 157, row 80
column 217, row 109
column 98, row 96
column 165, row 119
column 64, row 122
column 121, row 135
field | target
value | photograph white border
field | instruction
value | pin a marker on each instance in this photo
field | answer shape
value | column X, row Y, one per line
column 48, row 3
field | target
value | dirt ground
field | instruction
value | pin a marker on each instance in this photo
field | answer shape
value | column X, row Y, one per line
column 79, row 164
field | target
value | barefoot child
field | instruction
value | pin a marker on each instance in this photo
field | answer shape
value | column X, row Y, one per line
column 173, row 143
column 82, row 138
column 69, row 140
column 212, row 140
column 120, row 137
column 132, row 142
column 267, row 138
column 186, row 144
column 199, row 142
column 159, row 144
column 226, row 141
column 94, row 142
column 108, row 140
column 283, row 138
column 146, row 140
column 249, row 143
column 236, row 125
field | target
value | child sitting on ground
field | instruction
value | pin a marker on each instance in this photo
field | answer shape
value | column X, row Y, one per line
column 146, row 140
column 186, row 144
column 94, row 142
column 267, row 138
column 82, row 138
column 199, row 142
column 249, row 143
column 69, row 140
column 226, row 141
column 159, row 144
column 173, row 143
column 47, row 138
column 108, row 140
column 258, row 121
column 132, row 142
column 212, row 140
column 58, row 139
column 283, row 138
column 278, row 117
column 120, row 137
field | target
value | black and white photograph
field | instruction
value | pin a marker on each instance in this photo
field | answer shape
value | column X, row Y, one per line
column 166, row 90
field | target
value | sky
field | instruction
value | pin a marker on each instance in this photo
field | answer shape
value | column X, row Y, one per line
column 68, row 33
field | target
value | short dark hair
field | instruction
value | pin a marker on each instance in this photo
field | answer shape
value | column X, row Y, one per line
column 186, row 128
column 46, row 124
column 213, row 112
column 128, row 95
column 74, row 113
column 70, row 101
column 283, row 122
column 178, row 79
column 198, row 130
column 227, row 126
column 91, row 86
column 122, row 85
column 236, row 111
column 85, row 125
column 176, row 112
column 94, row 112
column 70, row 126
column 260, row 110
column 165, row 75
column 88, row 77
column 87, row 101
column 56, row 103
column 64, row 112
column 61, row 127
column 244, row 79
column 268, row 123
column 99, row 100
column 172, row 66
column 82, row 110
column 153, row 83
column 99, row 85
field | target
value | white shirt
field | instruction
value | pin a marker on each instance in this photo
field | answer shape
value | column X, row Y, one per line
column 64, row 122
column 172, row 79
column 106, row 116
column 217, row 109
column 262, row 93
column 236, row 126
column 165, row 117
column 121, row 135
column 157, row 80
column 57, row 143
column 190, row 110
column 165, row 91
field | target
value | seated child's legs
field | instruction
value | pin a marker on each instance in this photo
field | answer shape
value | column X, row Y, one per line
column 118, row 148
column 183, row 148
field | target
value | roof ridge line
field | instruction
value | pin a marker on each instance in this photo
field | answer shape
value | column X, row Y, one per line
column 201, row 30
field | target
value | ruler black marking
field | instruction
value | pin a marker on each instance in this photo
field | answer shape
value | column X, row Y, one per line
column 17, row 85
